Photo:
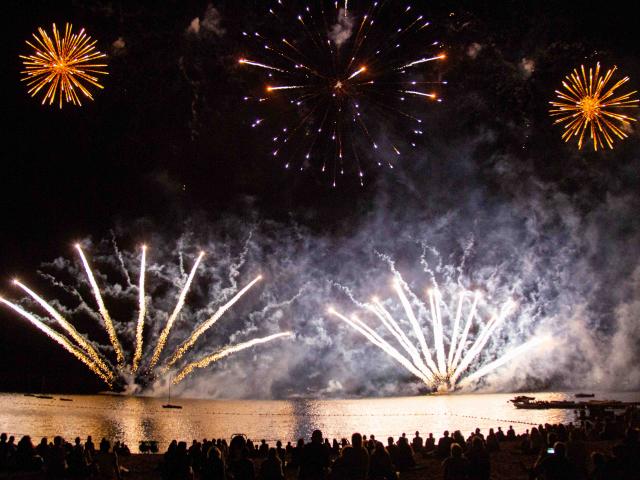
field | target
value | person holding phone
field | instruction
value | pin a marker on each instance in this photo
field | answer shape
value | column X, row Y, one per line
column 554, row 465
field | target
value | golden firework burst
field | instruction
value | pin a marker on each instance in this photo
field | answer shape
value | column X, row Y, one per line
column 62, row 66
column 589, row 104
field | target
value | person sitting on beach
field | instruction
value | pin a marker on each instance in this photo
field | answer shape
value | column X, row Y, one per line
column 43, row 448
column 314, row 459
column 392, row 450
column 479, row 460
column 271, row 468
column 430, row 443
column 106, row 463
column 76, row 460
column 240, row 466
column 56, row 465
column 405, row 458
column 492, row 442
column 417, row 443
column 89, row 447
column 553, row 467
column 26, row 458
column 444, row 445
column 282, row 454
column 213, row 467
column 263, row 451
column 459, row 439
column 380, row 466
column 456, row 466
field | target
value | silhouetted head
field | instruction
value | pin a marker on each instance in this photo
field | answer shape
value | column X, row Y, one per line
column 390, row 441
column 273, row 454
column 559, row 449
column 356, row 440
column 57, row 440
column 417, row 434
column 105, row 446
column 456, row 450
column 316, row 436
column 446, row 433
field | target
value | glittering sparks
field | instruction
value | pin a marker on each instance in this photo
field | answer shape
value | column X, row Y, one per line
column 336, row 78
column 443, row 365
column 589, row 105
column 224, row 352
column 85, row 351
column 63, row 66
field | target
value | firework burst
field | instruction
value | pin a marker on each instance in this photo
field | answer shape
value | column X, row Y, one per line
column 86, row 351
column 441, row 366
column 337, row 78
column 590, row 105
column 63, row 66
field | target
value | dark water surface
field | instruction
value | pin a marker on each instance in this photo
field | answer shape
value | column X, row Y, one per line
column 136, row 418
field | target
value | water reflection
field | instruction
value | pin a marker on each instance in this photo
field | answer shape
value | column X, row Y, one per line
column 132, row 419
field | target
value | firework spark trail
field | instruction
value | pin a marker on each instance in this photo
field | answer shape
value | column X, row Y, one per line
column 479, row 344
column 142, row 312
column 382, row 345
column 70, row 329
column 391, row 325
column 108, row 323
column 422, row 60
column 416, row 326
column 176, row 311
column 61, row 340
column 434, row 302
column 180, row 351
column 224, row 352
column 64, row 64
column 446, row 375
column 244, row 61
column 454, row 332
column 586, row 106
column 507, row 357
column 463, row 338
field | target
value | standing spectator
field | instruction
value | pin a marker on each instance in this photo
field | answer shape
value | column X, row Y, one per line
column 106, row 462
column 479, row 460
column 314, row 460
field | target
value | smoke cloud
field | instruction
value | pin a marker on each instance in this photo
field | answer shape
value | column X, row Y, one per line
column 341, row 31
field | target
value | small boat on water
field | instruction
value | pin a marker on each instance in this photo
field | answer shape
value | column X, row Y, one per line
column 522, row 399
column 169, row 404
column 62, row 399
column 47, row 397
column 585, row 395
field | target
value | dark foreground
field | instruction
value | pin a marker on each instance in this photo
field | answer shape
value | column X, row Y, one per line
column 601, row 449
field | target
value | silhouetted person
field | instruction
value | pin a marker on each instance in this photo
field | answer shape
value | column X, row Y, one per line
column 56, row 460
column 392, row 449
column 455, row 467
column 479, row 461
column 264, row 449
column 213, row 467
column 89, row 447
column 296, row 453
column 380, row 465
column 26, row 459
column 601, row 470
column 511, row 434
column 430, row 443
column 271, row 468
column 241, row 467
column 353, row 463
column 555, row 466
column 417, row 443
column 314, row 459
column 76, row 460
column 405, row 458
column 444, row 445
column 492, row 442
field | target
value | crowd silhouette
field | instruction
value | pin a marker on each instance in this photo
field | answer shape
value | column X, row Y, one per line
column 554, row 452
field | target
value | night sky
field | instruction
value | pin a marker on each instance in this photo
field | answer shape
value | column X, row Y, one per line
column 166, row 148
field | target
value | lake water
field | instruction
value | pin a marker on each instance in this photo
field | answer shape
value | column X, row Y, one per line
column 141, row 418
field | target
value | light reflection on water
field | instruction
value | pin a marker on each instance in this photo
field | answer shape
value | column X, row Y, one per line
column 137, row 418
